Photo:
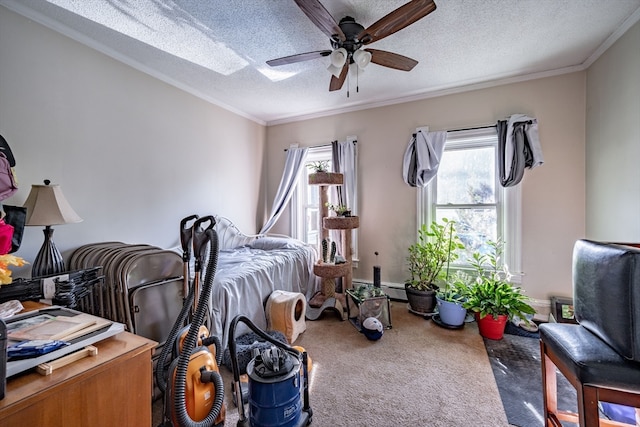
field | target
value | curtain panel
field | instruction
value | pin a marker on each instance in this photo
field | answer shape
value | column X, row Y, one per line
column 293, row 167
column 422, row 157
column 518, row 148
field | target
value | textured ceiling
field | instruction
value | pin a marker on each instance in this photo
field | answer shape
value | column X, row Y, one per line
column 217, row 49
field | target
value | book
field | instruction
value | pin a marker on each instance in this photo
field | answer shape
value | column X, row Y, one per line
column 55, row 328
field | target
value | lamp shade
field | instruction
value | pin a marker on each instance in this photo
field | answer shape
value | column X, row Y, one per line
column 46, row 205
column 338, row 57
column 362, row 58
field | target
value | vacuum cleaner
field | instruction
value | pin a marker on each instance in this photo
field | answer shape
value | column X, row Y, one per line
column 192, row 385
column 278, row 382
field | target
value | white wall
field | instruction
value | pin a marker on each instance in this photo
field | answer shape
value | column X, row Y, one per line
column 133, row 155
column 613, row 142
column 553, row 194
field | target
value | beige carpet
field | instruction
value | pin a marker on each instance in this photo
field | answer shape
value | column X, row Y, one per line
column 417, row 374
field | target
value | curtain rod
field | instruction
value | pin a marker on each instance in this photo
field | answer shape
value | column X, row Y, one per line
column 471, row 128
column 321, row 145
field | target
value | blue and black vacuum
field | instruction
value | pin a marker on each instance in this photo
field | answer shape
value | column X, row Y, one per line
column 278, row 382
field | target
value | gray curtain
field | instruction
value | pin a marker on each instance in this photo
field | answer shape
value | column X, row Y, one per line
column 422, row 157
column 343, row 156
column 344, row 160
column 518, row 148
column 292, row 168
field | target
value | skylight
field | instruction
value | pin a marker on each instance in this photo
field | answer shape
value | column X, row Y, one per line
column 177, row 33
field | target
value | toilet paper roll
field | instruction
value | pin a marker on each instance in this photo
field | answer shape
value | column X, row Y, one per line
column 285, row 312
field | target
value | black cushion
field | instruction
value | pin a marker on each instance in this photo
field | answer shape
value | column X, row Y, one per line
column 590, row 359
column 606, row 289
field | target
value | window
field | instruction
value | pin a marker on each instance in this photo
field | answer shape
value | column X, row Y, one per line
column 305, row 209
column 467, row 190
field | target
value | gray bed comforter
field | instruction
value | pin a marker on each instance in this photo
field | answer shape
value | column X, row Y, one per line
column 247, row 275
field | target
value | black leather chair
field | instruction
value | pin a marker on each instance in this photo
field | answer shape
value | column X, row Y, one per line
column 600, row 356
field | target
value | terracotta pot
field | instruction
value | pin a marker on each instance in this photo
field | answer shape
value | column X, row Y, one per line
column 491, row 328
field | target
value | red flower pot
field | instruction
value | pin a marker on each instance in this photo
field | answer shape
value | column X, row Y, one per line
column 491, row 328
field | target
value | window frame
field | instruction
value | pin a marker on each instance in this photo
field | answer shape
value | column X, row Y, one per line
column 508, row 199
column 298, row 228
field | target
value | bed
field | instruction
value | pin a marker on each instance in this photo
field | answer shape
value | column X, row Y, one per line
column 249, row 269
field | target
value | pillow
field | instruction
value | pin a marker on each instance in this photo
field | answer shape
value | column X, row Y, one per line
column 270, row 243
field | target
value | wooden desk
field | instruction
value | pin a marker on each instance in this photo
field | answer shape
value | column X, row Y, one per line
column 113, row 388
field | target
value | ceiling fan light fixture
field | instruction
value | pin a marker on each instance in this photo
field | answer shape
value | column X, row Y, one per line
column 362, row 58
column 338, row 57
column 334, row 70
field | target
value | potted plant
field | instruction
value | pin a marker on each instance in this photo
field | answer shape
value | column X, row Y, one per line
column 450, row 300
column 450, row 297
column 320, row 174
column 340, row 210
column 433, row 249
column 319, row 166
column 491, row 297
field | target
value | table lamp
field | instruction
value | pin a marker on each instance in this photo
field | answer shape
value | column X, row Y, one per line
column 46, row 205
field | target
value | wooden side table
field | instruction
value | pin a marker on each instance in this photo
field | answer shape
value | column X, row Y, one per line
column 113, row 388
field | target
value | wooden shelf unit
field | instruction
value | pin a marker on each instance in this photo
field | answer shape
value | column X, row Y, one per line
column 330, row 272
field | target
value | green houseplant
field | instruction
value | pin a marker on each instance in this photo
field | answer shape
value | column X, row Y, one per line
column 436, row 247
column 450, row 299
column 492, row 297
column 340, row 210
column 319, row 166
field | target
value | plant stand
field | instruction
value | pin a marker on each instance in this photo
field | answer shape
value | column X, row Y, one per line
column 328, row 298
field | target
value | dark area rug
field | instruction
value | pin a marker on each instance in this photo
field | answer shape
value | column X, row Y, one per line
column 515, row 361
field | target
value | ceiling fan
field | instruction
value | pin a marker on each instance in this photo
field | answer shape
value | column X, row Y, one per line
column 348, row 37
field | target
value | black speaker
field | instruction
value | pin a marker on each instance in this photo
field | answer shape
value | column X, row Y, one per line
column 3, row 358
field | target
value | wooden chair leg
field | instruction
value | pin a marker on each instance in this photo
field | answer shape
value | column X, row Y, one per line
column 549, row 388
column 588, row 406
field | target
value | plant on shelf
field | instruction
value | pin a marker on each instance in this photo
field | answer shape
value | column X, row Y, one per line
column 436, row 246
column 492, row 297
column 321, row 166
column 320, row 174
column 340, row 210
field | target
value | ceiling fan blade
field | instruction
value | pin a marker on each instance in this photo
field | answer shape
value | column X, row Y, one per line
column 392, row 60
column 337, row 82
column 398, row 19
column 321, row 17
column 298, row 58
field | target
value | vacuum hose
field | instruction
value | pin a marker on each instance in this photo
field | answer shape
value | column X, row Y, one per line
column 162, row 366
column 190, row 342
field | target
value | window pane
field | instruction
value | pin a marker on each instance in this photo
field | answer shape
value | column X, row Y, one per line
column 312, row 195
column 307, row 200
column 312, row 226
column 467, row 176
column 475, row 226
